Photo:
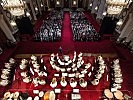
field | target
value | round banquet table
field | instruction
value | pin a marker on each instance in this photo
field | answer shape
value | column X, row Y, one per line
column 118, row 95
column 108, row 94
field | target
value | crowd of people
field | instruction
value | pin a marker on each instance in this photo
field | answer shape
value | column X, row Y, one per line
column 62, row 70
column 82, row 29
column 51, row 27
column 33, row 70
column 7, row 76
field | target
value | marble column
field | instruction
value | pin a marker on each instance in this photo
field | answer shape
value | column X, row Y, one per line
column 47, row 3
column 6, row 29
column 130, row 36
column 89, row 2
column 62, row 3
column 33, row 10
column 39, row 6
column 7, row 20
column 126, row 30
column 43, row 2
column 94, row 5
column 84, row 3
column 101, row 9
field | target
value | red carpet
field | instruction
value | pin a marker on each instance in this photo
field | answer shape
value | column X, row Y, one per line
column 67, row 38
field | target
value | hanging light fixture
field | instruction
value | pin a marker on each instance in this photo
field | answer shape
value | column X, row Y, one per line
column 16, row 7
column 114, row 7
column 74, row 2
column 58, row 3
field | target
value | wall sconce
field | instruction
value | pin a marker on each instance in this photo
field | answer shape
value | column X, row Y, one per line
column 57, row 2
column 74, row 2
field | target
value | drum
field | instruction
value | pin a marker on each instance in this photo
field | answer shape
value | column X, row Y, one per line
column 49, row 95
column 108, row 94
column 46, row 95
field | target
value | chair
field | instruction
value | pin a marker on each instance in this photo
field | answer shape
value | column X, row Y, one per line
column 57, row 90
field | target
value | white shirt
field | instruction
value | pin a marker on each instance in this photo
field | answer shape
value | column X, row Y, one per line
column 63, row 83
column 53, row 85
column 73, row 84
column 83, row 84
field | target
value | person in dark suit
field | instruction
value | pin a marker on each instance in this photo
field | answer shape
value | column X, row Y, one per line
column 60, row 49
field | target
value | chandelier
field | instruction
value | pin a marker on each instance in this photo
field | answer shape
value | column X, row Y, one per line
column 16, row 7
column 114, row 7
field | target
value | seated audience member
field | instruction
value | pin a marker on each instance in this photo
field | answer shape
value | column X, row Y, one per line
column 63, row 82
column 53, row 84
column 73, row 83
column 82, row 29
column 82, row 83
column 51, row 28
